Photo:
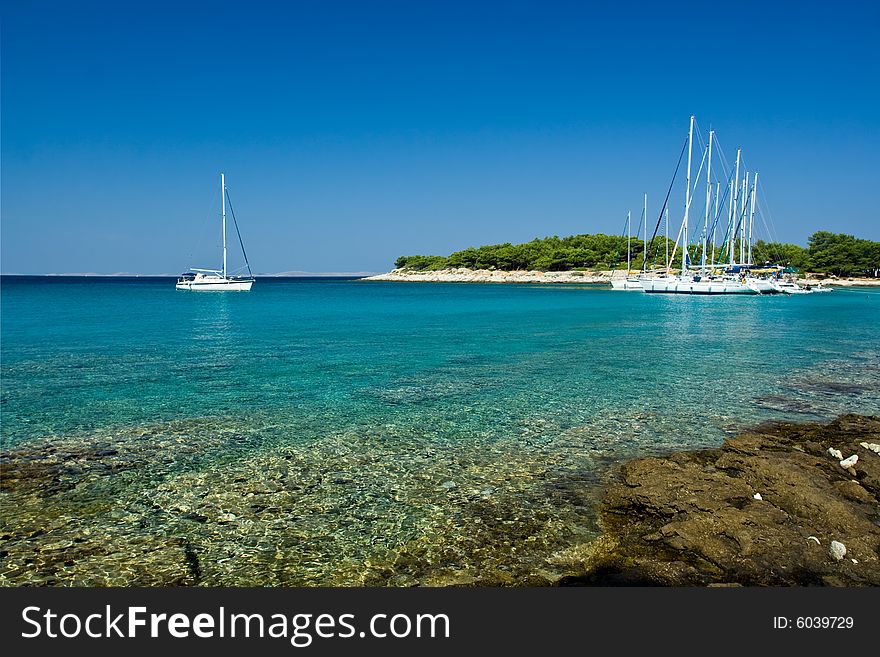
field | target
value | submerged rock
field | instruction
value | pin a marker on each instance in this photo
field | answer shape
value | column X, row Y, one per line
column 57, row 545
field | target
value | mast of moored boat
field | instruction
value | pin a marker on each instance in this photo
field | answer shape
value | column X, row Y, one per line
column 223, row 205
column 667, row 241
column 687, row 200
column 715, row 223
column 752, row 215
column 733, row 204
column 742, row 220
column 645, row 247
column 628, row 251
column 708, row 202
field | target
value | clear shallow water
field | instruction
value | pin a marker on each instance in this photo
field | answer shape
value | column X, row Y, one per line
column 330, row 431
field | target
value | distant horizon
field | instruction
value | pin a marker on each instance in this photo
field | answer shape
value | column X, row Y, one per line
column 351, row 134
column 311, row 274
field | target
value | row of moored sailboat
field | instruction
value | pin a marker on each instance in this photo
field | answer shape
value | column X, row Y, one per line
column 724, row 272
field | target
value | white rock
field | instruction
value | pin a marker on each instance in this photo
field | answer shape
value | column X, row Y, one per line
column 874, row 447
column 854, row 560
column 836, row 453
column 757, row 496
column 813, row 538
column 838, row 550
column 849, row 462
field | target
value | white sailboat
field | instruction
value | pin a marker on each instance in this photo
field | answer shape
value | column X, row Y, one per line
column 217, row 280
column 629, row 282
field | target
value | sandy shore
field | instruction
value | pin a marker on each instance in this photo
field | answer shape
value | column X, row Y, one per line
column 556, row 277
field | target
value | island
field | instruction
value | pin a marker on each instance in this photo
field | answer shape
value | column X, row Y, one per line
column 838, row 259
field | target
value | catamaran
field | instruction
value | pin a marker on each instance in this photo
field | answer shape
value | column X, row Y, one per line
column 215, row 280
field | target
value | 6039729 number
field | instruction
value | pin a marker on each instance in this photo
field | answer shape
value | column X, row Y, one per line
column 824, row 622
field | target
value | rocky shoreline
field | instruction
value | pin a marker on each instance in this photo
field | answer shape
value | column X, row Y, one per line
column 833, row 281
column 554, row 277
column 775, row 506
column 781, row 505
column 493, row 276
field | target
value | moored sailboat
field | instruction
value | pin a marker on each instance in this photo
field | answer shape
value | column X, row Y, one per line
column 630, row 282
column 218, row 280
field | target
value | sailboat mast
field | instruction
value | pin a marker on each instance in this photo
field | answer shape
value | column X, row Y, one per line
column 708, row 202
column 742, row 219
column 687, row 200
column 223, row 204
column 715, row 223
column 667, row 239
column 645, row 248
column 752, row 215
column 628, row 251
column 733, row 204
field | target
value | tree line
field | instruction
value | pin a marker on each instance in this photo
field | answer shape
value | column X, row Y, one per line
column 828, row 253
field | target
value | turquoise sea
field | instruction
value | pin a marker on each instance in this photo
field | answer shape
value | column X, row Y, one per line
column 341, row 432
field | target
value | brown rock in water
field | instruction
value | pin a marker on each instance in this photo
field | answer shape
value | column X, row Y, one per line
column 692, row 519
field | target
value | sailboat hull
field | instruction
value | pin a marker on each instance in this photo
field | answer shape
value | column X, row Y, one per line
column 215, row 286
column 674, row 285
column 762, row 285
column 630, row 285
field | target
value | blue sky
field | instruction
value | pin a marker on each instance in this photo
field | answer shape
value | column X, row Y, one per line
column 351, row 133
